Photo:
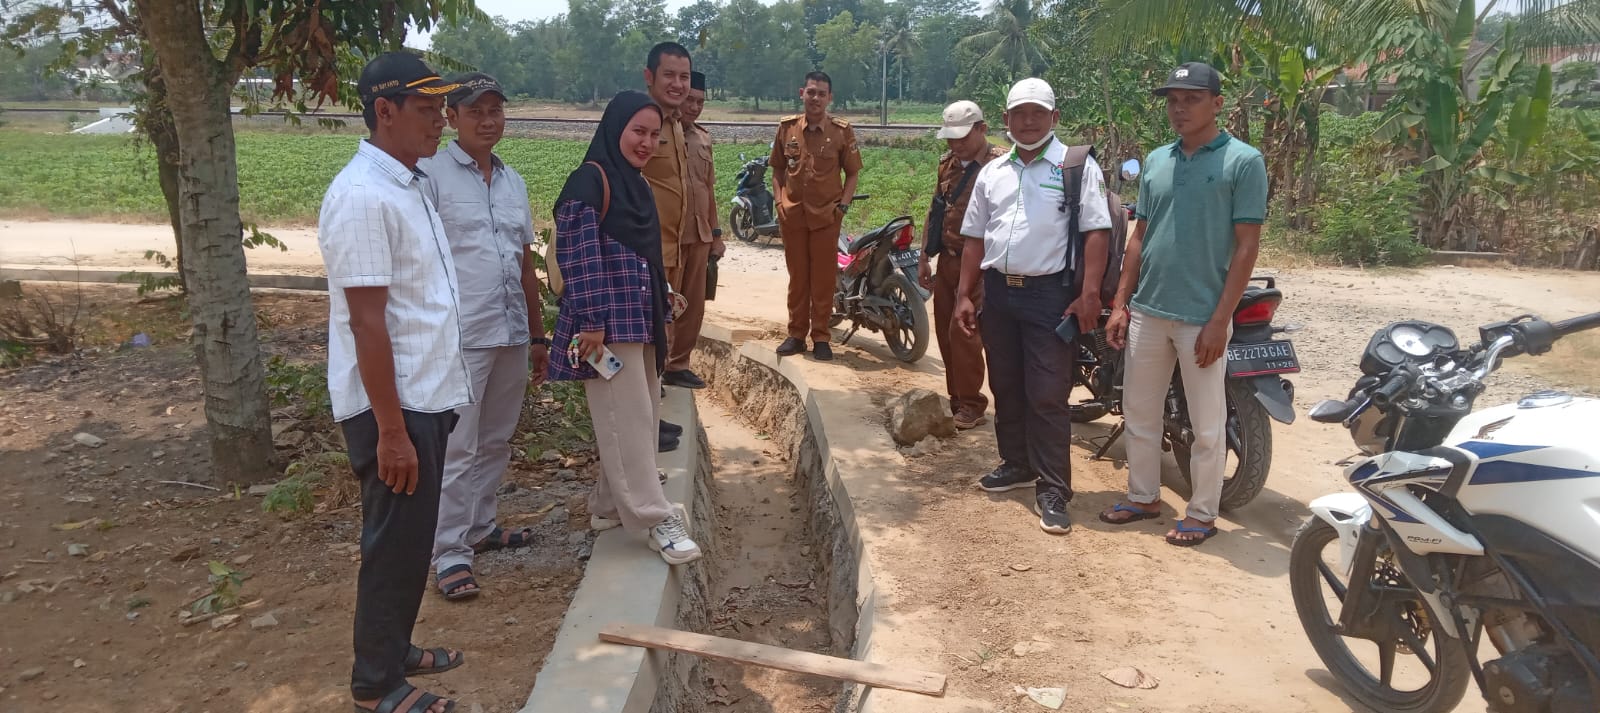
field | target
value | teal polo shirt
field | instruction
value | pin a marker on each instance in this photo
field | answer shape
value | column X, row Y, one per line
column 1189, row 205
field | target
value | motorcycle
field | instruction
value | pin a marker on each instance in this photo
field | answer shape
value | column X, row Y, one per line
column 1256, row 391
column 877, row 288
column 752, row 214
column 1463, row 525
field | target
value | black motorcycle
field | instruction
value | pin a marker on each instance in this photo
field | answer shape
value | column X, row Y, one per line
column 1256, row 391
column 752, row 214
column 877, row 288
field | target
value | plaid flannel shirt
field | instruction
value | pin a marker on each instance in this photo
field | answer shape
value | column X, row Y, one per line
column 607, row 286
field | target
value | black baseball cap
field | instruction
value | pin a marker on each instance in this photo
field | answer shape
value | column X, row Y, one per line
column 697, row 80
column 472, row 86
column 1192, row 75
column 394, row 74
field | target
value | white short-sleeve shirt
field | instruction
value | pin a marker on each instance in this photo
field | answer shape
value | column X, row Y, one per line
column 1016, row 211
column 377, row 229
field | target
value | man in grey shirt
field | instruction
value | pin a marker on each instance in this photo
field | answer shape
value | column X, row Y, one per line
column 484, row 206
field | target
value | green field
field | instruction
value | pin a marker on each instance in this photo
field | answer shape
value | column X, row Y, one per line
column 282, row 176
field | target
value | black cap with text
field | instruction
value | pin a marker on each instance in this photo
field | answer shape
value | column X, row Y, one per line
column 1192, row 75
column 396, row 73
column 474, row 85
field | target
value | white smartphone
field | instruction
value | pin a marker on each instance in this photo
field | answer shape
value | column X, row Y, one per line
column 606, row 363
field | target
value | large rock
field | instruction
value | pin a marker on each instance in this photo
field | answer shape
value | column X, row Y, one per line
column 919, row 413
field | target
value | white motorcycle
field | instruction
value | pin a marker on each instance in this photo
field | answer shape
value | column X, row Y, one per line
column 1463, row 526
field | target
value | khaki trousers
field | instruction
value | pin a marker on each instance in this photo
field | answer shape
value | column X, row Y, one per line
column 684, row 333
column 812, row 256
column 479, row 448
column 962, row 353
column 625, row 413
column 1154, row 344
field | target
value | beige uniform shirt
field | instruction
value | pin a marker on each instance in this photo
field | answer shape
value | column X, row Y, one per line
column 702, row 185
column 668, row 174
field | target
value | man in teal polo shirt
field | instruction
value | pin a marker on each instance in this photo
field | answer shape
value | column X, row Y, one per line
column 1202, row 200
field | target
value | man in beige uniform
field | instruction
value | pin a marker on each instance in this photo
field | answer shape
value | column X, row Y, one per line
column 701, row 244
column 808, row 156
column 666, row 76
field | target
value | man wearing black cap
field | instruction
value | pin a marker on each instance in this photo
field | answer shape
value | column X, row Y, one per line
column 484, row 206
column 1202, row 200
column 395, row 368
column 701, row 242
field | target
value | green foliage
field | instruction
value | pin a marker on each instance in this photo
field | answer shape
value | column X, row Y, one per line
column 304, row 385
column 1365, row 218
column 226, row 583
column 295, row 494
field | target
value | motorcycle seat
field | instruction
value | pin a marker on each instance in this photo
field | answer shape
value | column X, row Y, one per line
column 851, row 246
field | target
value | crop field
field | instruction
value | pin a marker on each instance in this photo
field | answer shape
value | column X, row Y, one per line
column 282, row 176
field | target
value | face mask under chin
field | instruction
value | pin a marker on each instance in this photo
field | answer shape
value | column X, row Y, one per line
column 1029, row 147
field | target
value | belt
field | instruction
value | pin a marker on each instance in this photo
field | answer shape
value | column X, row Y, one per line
column 1029, row 280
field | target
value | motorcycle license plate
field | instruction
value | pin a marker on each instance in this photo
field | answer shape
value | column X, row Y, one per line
column 905, row 258
column 1271, row 357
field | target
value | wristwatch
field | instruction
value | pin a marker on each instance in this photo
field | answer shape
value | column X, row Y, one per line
column 539, row 341
column 844, row 207
column 716, row 232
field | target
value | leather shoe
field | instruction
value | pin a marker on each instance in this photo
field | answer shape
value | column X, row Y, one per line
column 791, row 347
column 669, row 428
column 823, row 351
column 683, row 378
column 666, row 443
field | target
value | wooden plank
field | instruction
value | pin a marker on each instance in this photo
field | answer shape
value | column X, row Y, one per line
column 747, row 653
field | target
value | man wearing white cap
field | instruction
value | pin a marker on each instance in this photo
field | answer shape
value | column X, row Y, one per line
column 967, row 135
column 1021, row 212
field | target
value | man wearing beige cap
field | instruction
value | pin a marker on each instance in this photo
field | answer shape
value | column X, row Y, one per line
column 1022, row 256
column 966, row 133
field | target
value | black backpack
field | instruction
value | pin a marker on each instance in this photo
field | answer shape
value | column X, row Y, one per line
column 1072, row 168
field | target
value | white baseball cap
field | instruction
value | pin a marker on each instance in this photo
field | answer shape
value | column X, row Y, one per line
column 959, row 118
column 1031, row 91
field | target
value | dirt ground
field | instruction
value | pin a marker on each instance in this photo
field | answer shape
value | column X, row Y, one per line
column 97, row 557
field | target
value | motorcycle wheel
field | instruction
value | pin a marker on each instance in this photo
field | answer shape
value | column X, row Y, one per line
column 741, row 224
column 1249, row 435
column 1315, row 580
column 908, row 337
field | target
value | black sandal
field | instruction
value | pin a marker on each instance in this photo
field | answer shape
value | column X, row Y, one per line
column 414, row 665
column 499, row 539
column 407, row 699
column 456, row 583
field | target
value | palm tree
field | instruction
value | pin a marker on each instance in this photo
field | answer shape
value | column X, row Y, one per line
column 1008, row 44
column 898, row 39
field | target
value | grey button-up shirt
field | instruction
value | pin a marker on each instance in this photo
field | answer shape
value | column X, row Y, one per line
column 489, row 226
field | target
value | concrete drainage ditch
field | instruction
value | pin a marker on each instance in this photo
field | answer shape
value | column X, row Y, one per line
column 810, row 598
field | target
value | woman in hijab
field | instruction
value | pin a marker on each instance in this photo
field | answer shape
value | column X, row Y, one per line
column 615, row 302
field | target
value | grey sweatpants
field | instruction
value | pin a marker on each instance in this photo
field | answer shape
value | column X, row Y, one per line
column 480, row 447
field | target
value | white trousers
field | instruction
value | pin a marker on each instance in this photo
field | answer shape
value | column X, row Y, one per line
column 1154, row 346
column 626, row 417
column 479, row 448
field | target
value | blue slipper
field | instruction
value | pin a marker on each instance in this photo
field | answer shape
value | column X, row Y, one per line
column 1138, row 514
column 1205, row 533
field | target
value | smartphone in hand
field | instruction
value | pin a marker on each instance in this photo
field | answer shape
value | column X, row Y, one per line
column 1068, row 329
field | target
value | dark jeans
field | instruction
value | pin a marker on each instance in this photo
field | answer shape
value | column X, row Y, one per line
column 396, row 547
column 1030, row 375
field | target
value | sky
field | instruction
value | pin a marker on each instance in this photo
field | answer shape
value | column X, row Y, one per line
column 517, row 10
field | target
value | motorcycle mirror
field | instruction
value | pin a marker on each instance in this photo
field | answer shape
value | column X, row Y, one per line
column 1130, row 169
column 741, row 157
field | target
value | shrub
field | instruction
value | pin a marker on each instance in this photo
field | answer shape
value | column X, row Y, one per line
column 1365, row 218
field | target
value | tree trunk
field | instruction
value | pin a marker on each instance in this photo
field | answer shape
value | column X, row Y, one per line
column 163, row 135
column 225, row 339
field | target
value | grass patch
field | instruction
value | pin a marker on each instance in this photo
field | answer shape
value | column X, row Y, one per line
column 282, row 177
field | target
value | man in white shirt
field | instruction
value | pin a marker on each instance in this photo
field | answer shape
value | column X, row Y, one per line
column 395, row 369
column 483, row 204
column 1019, row 215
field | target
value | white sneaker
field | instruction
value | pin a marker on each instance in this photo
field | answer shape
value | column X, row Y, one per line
column 671, row 540
column 601, row 524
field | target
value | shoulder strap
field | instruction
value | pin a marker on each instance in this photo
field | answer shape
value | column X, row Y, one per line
column 1072, row 199
column 967, row 175
column 605, row 189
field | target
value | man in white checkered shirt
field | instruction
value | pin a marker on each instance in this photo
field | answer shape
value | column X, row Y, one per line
column 395, row 369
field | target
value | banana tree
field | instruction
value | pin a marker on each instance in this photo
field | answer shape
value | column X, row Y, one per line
column 1449, row 127
column 1294, row 80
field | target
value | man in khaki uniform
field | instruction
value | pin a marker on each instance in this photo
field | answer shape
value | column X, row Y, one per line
column 808, row 156
column 967, row 135
column 666, row 75
column 700, row 245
